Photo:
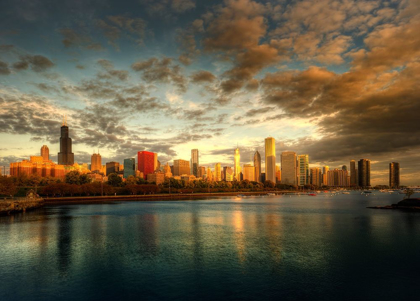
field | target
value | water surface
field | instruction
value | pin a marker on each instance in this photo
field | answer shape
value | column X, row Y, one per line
column 266, row 248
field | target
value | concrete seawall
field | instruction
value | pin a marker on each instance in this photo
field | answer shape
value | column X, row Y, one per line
column 19, row 205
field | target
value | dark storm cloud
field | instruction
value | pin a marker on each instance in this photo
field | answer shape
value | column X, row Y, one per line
column 4, row 68
column 161, row 71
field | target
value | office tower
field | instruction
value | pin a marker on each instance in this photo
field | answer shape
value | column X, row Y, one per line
column 129, row 167
column 65, row 156
column 353, row 173
column 364, row 172
column 325, row 175
column 278, row 174
column 112, row 167
column 316, row 176
column 181, row 167
column 237, row 166
column 338, row 178
column 218, row 172
column 167, row 171
column 145, row 163
column 394, row 175
column 96, row 162
column 270, row 159
column 229, row 174
column 257, row 165
column 45, row 153
column 201, row 171
column 209, row 175
column 249, row 172
column 288, row 168
column 344, row 167
column 194, row 162
column 303, row 170
column 155, row 161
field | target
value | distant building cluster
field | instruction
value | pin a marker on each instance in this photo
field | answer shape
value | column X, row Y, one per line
column 293, row 170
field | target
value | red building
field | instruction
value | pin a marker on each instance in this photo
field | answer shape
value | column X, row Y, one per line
column 145, row 163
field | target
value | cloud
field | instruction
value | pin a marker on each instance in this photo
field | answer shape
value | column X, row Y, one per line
column 108, row 66
column 4, row 68
column 161, row 71
column 118, row 26
column 71, row 38
column 202, row 76
column 166, row 8
column 37, row 63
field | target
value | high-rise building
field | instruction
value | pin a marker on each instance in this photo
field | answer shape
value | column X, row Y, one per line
column 209, row 175
column 45, row 153
column 201, row 171
column 353, row 174
column 338, row 178
column 217, row 172
column 364, row 172
column 112, row 167
column 344, row 167
column 325, row 175
column 394, row 175
column 237, row 165
column 316, row 176
column 65, row 156
column 229, row 174
column 145, row 163
column 167, row 171
column 129, row 167
column 155, row 161
column 257, row 165
column 194, row 162
column 303, row 170
column 249, row 172
column 288, row 168
column 181, row 167
column 270, row 159
column 278, row 174
column 96, row 162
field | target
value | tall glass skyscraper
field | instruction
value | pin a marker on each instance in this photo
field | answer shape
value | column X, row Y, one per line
column 394, row 175
column 237, row 166
column 270, row 159
column 364, row 172
column 129, row 167
column 303, row 170
column 257, row 165
column 65, row 156
column 145, row 163
column 194, row 162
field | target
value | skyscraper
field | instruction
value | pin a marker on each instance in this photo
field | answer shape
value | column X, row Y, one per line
column 316, row 177
column 270, row 159
column 237, row 166
column 181, row 167
column 45, row 153
column 257, row 165
column 155, row 161
column 129, row 167
column 145, row 163
column 325, row 175
column 303, row 170
column 217, row 172
column 288, row 168
column 96, row 162
column 112, row 167
column 249, row 172
column 394, row 175
column 65, row 156
column 194, row 162
column 353, row 173
column 364, row 172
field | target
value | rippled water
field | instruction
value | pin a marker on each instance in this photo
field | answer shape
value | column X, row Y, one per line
column 257, row 248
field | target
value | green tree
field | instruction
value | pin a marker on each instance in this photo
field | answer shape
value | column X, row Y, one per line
column 114, row 180
column 73, row 177
column 84, row 179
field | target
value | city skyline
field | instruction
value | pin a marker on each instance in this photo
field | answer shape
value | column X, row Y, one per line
column 169, row 77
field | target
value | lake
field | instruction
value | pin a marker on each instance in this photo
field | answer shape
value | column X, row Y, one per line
column 324, row 247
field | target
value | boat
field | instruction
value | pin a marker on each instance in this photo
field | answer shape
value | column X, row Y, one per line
column 346, row 192
column 271, row 194
column 241, row 196
column 312, row 194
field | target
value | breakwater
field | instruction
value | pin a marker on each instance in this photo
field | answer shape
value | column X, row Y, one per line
column 8, row 206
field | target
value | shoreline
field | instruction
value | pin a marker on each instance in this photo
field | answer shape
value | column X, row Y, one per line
column 149, row 197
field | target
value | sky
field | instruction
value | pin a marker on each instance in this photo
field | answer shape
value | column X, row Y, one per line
column 337, row 80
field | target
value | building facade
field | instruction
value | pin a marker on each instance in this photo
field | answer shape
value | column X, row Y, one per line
column 316, row 177
column 237, row 165
column 217, row 172
column 129, row 167
column 194, row 162
column 45, row 153
column 270, row 159
column 394, row 175
column 257, row 166
column 96, row 162
column 145, row 163
column 364, row 173
column 181, row 167
column 303, row 170
column 112, row 167
column 249, row 172
column 65, row 156
column 289, row 168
